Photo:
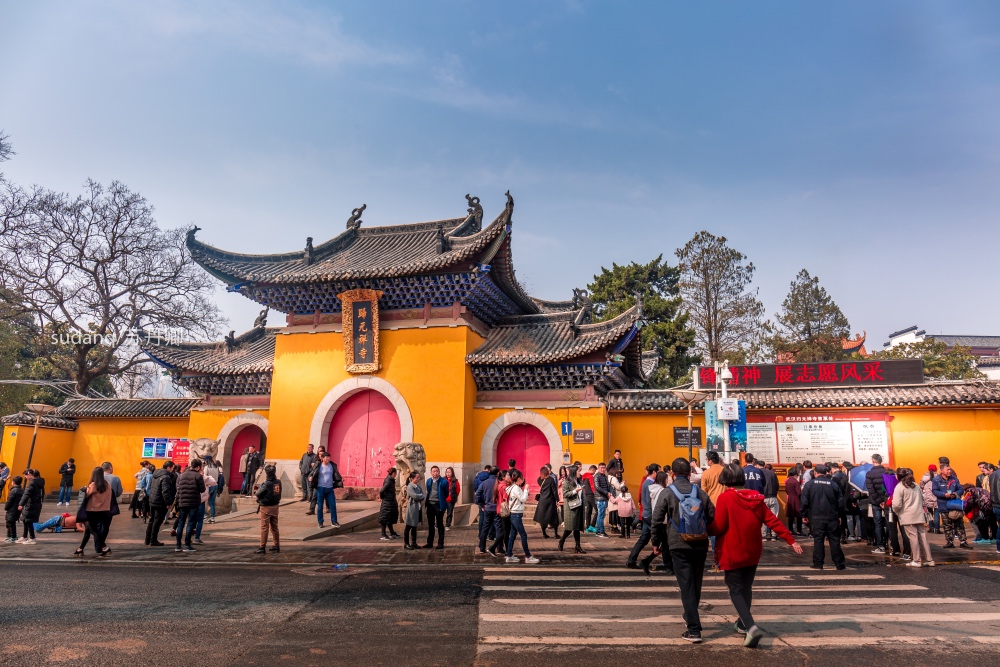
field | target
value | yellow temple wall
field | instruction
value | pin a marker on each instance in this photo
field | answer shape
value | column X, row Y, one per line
column 648, row 437
column 210, row 422
column 52, row 447
column 426, row 366
column 582, row 418
column 918, row 436
column 119, row 441
column 966, row 435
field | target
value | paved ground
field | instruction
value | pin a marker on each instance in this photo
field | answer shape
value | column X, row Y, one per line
column 225, row 605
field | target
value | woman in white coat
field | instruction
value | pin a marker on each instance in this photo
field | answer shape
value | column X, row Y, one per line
column 908, row 506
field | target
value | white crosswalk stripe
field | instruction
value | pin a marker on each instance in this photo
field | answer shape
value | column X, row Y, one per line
column 529, row 608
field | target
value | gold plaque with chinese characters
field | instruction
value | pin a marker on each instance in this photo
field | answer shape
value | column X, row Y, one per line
column 359, row 308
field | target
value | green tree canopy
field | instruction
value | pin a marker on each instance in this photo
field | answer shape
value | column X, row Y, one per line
column 613, row 292
column 810, row 326
column 941, row 363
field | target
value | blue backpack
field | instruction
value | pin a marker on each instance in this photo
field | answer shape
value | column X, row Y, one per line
column 692, row 527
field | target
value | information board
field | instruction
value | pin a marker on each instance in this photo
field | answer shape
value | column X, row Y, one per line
column 818, row 438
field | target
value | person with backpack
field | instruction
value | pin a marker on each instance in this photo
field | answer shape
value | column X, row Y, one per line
column 948, row 491
column 268, row 500
column 686, row 512
column 485, row 499
column 739, row 515
column 875, row 486
column 821, row 506
column 500, row 496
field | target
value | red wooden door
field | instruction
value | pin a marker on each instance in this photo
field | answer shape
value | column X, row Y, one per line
column 527, row 446
column 383, row 434
column 247, row 437
column 363, row 435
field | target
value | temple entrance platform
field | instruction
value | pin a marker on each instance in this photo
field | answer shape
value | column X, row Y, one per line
column 295, row 524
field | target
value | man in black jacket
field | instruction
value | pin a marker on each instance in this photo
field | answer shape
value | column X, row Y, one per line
column 877, row 497
column 66, row 472
column 840, row 478
column 616, row 467
column 190, row 486
column 162, row 491
column 688, row 556
column 602, row 491
column 305, row 467
column 822, row 504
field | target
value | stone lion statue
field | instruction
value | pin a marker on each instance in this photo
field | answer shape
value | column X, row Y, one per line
column 202, row 447
column 409, row 457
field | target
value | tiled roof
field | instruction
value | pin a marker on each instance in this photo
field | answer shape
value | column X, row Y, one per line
column 967, row 341
column 550, row 338
column 932, row 394
column 380, row 252
column 988, row 362
column 24, row 418
column 851, row 344
column 250, row 352
column 94, row 408
column 554, row 306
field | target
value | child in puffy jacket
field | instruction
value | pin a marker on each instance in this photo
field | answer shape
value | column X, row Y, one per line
column 626, row 510
column 13, row 514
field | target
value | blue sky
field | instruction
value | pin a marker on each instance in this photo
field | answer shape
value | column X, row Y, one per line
column 858, row 140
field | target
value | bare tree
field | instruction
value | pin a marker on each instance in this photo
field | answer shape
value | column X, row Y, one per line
column 94, row 270
column 727, row 316
column 6, row 150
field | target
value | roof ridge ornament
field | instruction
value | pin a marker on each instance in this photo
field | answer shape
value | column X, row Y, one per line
column 510, row 201
column 261, row 320
column 475, row 210
column 231, row 341
column 639, row 304
column 355, row 220
column 190, row 235
column 309, row 251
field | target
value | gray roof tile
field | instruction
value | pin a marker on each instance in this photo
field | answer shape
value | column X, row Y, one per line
column 927, row 395
column 253, row 352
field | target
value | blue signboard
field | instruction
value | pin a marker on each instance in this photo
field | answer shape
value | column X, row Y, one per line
column 567, row 428
column 714, row 438
column 738, row 431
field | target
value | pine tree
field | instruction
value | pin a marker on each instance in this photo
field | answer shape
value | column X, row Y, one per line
column 613, row 292
column 811, row 327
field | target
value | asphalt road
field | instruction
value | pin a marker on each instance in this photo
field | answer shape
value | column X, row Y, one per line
column 116, row 613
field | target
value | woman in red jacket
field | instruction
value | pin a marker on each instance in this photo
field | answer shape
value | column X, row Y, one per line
column 739, row 514
column 454, row 493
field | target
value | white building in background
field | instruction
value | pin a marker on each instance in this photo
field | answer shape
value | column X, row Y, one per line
column 986, row 348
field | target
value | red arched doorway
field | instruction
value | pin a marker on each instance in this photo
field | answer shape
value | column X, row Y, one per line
column 363, row 435
column 247, row 436
column 527, row 446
